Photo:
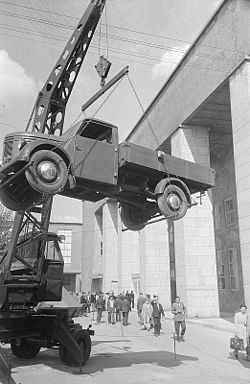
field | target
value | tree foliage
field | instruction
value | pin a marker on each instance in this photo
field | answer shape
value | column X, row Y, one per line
column 6, row 224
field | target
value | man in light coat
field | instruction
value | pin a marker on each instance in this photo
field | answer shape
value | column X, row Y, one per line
column 179, row 311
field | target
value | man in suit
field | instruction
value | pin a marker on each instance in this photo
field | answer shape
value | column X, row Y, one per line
column 125, row 310
column 157, row 313
column 100, row 303
column 179, row 311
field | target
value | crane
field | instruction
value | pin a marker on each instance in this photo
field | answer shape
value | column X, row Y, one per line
column 31, row 270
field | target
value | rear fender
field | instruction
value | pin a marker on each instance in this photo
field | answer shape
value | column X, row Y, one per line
column 160, row 187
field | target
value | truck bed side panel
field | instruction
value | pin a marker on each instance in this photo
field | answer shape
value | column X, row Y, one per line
column 136, row 158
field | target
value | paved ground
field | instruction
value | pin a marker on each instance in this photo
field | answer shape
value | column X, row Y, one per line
column 130, row 355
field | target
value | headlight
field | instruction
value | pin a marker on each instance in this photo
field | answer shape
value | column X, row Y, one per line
column 47, row 170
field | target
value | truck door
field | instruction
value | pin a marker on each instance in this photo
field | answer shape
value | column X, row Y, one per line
column 96, row 153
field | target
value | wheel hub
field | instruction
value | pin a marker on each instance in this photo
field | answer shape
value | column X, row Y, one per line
column 47, row 170
column 174, row 202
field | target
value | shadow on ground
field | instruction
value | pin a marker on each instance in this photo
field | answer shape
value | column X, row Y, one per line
column 241, row 359
column 101, row 361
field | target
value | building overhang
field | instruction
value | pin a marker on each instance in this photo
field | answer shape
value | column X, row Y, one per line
column 197, row 93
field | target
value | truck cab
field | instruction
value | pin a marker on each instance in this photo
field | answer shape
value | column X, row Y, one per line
column 92, row 146
column 82, row 163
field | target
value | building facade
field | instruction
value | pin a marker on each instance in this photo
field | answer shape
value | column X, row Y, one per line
column 72, row 251
column 201, row 114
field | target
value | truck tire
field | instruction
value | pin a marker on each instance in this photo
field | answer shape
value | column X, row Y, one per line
column 62, row 354
column 132, row 218
column 47, row 182
column 18, row 195
column 83, row 339
column 25, row 350
column 173, row 202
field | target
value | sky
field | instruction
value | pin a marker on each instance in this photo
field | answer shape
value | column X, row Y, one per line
column 149, row 36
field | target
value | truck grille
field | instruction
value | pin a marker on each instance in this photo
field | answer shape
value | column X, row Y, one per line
column 7, row 151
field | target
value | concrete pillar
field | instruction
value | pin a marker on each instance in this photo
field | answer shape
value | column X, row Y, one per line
column 195, row 260
column 110, row 246
column 154, row 262
column 240, row 110
column 78, row 287
column 129, row 259
column 89, row 241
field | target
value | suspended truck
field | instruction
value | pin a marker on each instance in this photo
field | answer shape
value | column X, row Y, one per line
column 86, row 163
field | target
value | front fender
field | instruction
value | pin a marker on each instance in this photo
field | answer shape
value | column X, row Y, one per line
column 25, row 154
column 160, row 187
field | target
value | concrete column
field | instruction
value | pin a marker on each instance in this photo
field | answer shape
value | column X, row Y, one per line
column 89, row 241
column 240, row 110
column 154, row 262
column 110, row 246
column 78, row 287
column 129, row 259
column 195, row 260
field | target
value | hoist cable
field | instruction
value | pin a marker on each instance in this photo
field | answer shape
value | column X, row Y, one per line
column 99, row 40
column 159, row 146
column 106, row 31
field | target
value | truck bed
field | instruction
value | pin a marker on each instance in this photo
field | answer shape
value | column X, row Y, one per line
column 135, row 158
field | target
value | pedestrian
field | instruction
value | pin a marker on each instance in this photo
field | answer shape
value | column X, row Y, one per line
column 128, row 297
column 119, row 307
column 157, row 313
column 125, row 310
column 100, row 304
column 111, row 305
column 140, row 302
column 88, row 302
column 132, row 299
column 147, row 310
column 179, row 311
column 92, row 301
column 242, row 330
column 83, row 301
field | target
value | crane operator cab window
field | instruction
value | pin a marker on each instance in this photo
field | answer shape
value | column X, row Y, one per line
column 53, row 269
column 28, row 261
column 25, row 258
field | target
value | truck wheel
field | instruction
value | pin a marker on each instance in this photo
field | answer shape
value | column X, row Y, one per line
column 25, row 349
column 83, row 339
column 173, row 202
column 48, row 173
column 133, row 218
column 62, row 354
column 18, row 196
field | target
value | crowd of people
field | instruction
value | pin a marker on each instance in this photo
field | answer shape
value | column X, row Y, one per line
column 150, row 310
column 150, row 313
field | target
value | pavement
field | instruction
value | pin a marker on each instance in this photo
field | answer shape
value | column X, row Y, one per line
column 130, row 355
column 226, row 324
